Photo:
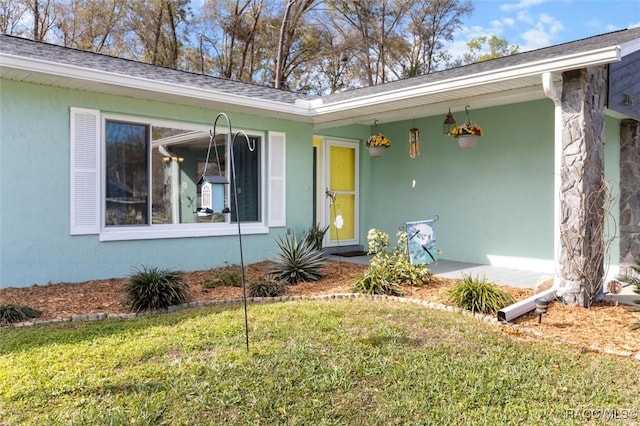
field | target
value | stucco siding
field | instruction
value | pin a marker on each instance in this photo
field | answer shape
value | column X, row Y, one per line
column 493, row 201
column 34, row 212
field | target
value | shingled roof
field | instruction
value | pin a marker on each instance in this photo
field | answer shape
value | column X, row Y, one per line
column 584, row 45
column 125, row 67
column 514, row 78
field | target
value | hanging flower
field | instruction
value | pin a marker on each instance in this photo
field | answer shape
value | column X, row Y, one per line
column 378, row 140
column 466, row 128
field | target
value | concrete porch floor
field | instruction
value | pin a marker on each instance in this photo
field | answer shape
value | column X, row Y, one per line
column 498, row 275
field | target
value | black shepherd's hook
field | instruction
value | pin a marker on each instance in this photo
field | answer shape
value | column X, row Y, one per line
column 230, row 140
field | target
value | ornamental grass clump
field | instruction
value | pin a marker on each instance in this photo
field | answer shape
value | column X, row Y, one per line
column 297, row 261
column 478, row 295
column 152, row 288
column 12, row 313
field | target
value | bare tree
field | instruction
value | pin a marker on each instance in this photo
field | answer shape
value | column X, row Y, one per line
column 11, row 15
column 379, row 24
column 155, row 25
column 432, row 23
column 43, row 18
column 294, row 46
column 95, row 25
column 228, row 36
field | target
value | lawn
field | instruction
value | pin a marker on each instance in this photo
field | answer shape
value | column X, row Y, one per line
column 358, row 362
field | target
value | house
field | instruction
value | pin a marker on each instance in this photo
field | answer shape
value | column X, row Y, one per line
column 124, row 144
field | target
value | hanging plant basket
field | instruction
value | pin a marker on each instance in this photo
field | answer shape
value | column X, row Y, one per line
column 467, row 141
column 377, row 144
column 376, row 151
column 467, row 133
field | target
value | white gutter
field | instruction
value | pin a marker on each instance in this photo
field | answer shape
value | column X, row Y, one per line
column 175, row 183
column 555, row 65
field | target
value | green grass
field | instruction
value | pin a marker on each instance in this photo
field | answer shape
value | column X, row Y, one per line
column 352, row 362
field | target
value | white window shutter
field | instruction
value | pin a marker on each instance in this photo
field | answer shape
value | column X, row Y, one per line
column 277, row 179
column 85, row 171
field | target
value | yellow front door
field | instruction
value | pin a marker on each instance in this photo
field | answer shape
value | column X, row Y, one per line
column 341, row 192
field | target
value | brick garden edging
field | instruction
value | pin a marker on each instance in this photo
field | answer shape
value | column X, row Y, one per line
column 491, row 319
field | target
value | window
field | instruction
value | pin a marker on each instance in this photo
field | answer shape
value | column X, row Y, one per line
column 154, row 176
column 152, row 179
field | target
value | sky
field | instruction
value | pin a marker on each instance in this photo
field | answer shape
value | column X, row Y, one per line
column 532, row 24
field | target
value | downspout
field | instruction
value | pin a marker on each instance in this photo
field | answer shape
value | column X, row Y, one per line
column 551, row 91
column 527, row 305
column 175, row 186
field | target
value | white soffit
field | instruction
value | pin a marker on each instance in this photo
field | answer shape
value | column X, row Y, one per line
column 497, row 82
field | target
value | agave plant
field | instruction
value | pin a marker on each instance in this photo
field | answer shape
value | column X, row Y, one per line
column 297, row 261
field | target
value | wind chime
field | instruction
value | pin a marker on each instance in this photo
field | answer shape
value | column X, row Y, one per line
column 414, row 142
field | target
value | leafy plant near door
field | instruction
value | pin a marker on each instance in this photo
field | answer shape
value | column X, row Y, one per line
column 297, row 260
column 479, row 295
column 155, row 288
column 315, row 236
column 390, row 270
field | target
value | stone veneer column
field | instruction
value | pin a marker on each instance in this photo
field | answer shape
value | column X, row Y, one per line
column 584, row 94
column 629, row 193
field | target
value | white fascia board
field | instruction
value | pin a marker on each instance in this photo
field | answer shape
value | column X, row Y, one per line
column 145, row 84
column 630, row 47
column 564, row 63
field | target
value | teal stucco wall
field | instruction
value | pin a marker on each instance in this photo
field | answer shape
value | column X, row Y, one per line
column 35, row 244
column 494, row 202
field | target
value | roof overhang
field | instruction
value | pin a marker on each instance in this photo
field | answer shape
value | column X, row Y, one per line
column 507, row 85
column 38, row 71
column 494, row 87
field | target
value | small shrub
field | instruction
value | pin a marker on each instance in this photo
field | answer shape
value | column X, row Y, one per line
column 267, row 288
column 12, row 313
column 375, row 281
column 479, row 295
column 634, row 279
column 155, row 288
column 395, row 265
column 228, row 276
column 297, row 261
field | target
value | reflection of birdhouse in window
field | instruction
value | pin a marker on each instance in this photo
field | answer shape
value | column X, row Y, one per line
column 211, row 194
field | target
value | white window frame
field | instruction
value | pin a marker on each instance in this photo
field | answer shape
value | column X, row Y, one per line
column 182, row 230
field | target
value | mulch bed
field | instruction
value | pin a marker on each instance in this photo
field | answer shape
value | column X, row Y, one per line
column 603, row 327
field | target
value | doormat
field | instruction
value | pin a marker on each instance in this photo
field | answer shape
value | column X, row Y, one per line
column 351, row 253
